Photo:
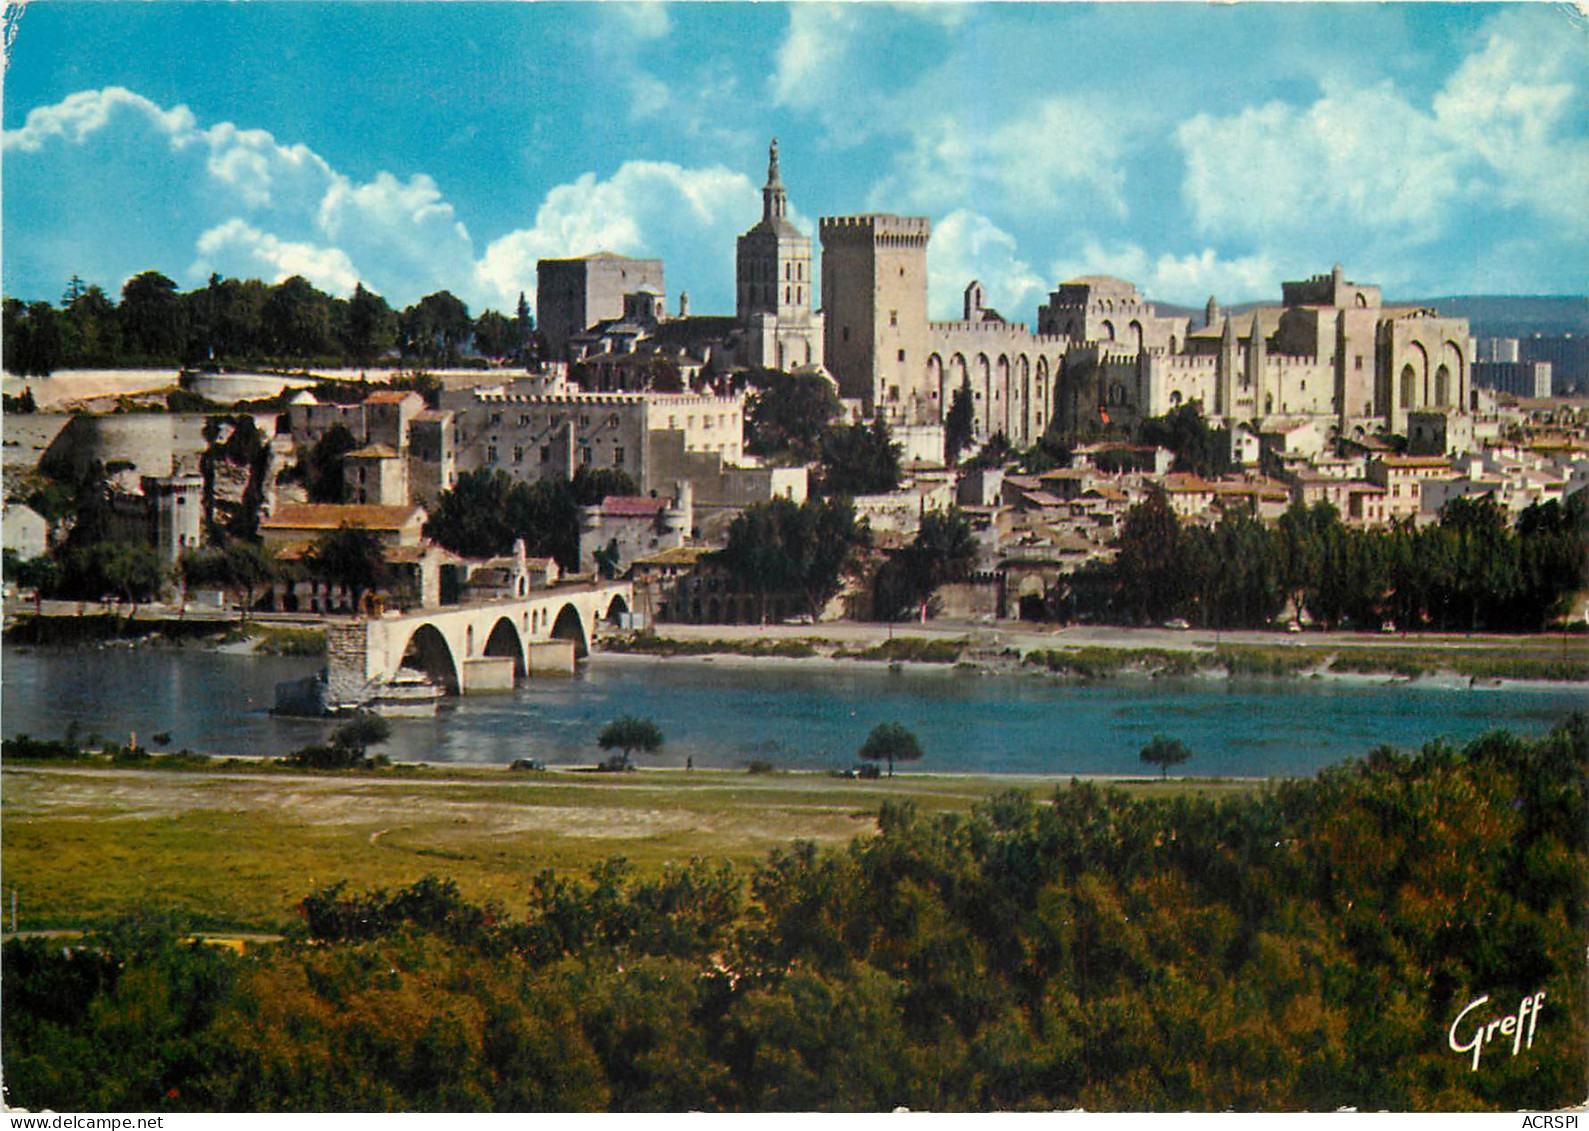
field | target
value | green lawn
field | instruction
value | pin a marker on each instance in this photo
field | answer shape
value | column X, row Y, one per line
column 239, row 849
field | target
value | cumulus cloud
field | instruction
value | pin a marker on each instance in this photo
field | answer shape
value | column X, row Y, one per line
column 1506, row 129
column 1064, row 152
column 1184, row 279
column 274, row 259
column 239, row 202
column 967, row 246
column 647, row 208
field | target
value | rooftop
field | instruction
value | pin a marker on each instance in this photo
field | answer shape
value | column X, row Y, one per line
column 334, row 516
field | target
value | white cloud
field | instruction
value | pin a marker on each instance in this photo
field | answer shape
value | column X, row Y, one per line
column 1186, row 279
column 1060, row 153
column 1506, row 129
column 967, row 246
column 274, row 259
column 78, row 116
column 241, row 203
column 647, row 208
column 810, row 60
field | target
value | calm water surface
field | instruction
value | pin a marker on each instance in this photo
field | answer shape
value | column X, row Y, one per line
column 796, row 717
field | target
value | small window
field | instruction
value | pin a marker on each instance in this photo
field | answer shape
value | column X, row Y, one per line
column 617, row 457
column 518, row 454
column 491, row 453
column 584, row 422
column 546, row 453
column 893, row 318
column 901, row 355
column 496, row 418
column 524, row 420
column 612, row 421
column 584, row 455
column 846, row 333
column 1357, row 361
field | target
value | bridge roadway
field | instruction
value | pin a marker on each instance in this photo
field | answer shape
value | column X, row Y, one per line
column 474, row 647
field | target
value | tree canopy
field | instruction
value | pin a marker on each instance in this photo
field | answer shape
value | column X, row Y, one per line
column 890, row 742
column 627, row 733
column 350, row 557
column 788, row 413
column 943, row 551
column 858, row 459
column 780, row 546
column 1165, row 752
column 486, row 510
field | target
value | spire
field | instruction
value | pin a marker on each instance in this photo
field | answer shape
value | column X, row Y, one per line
column 1229, row 336
column 773, row 201
column 1211, row 311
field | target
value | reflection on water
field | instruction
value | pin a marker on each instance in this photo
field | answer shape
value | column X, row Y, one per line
column 797, row 717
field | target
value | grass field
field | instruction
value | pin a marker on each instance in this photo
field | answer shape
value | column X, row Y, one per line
column 240, row 849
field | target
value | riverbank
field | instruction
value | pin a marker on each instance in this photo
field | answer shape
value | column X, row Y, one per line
column 1444, row 662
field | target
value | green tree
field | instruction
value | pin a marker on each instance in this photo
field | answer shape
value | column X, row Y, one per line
column 627, row 733
column 91, row 330
column 434, row 329
column 153, row 318
column 1198, row 449
column 1148, row 570
column 370, row 328
column 494, row 335
column 474, row 517
column 859, row 460
column 297, row 319
column 1165, row 752
column 892, row 743
column 361, row 732
column 958, row 424
column 321, row 468
column 352, row 558
column 944, row 551
column 787, row 415
column 780, row 546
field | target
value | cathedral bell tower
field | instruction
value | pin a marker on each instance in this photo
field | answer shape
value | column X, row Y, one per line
column 774, row 283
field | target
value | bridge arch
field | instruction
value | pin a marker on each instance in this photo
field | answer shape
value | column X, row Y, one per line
column 569, row 625
column 616, row 608
column 505, row 641
column 427, row 651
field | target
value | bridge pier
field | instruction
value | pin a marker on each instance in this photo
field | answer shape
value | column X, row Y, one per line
column 469, row 649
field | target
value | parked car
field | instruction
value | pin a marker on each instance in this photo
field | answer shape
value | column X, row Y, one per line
column 867, row 771
column 1293, row 626
column 1179, row 623
column 1388, row 627
column 528, row 764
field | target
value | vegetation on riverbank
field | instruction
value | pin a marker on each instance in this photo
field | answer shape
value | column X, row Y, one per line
column 1286, row 662
column 101, row 628
column 1280, row 950
column 650, row 644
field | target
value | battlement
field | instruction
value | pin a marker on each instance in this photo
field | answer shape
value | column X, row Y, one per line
column 879, row 227
column 1017, row 330
column 492, row 396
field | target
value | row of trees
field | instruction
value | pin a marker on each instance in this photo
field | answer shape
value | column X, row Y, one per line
column 249, row 322
column 1304, row 947
column 1472, row 570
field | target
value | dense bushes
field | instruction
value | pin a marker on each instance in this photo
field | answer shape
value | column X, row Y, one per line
column 1303, row 948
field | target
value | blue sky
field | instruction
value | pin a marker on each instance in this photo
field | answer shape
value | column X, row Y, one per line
column 1196, row 150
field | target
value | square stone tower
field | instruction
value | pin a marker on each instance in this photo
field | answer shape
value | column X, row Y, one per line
column 874, row 301
column 572, row 295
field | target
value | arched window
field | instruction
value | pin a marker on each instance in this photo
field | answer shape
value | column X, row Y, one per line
column 1409, row 385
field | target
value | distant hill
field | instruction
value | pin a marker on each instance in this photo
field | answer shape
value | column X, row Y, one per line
column 1489, row 316
column 1517, row 316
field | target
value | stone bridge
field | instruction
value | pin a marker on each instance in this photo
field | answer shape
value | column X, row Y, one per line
column 472, row 648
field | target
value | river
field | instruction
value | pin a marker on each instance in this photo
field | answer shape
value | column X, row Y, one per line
column 794, row 715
